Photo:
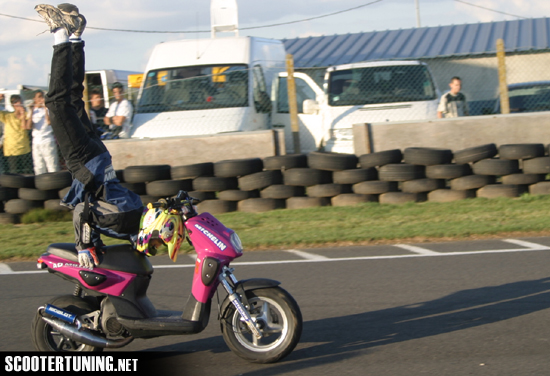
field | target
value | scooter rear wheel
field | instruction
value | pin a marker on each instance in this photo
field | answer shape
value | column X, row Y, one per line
column 280, row 322
column 46, row 338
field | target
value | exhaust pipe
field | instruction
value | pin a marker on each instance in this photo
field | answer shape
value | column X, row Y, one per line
column 85, row 336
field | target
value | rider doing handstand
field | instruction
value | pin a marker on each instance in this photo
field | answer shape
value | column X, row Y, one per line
column 101, row 204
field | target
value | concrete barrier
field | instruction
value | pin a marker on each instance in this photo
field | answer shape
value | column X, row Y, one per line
column 177, row 151
column 454, row 134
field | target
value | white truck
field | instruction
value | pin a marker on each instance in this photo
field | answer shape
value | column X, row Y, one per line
column 371, row 92
column 208, row 86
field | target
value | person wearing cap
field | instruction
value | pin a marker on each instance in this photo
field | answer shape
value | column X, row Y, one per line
column 120, row 113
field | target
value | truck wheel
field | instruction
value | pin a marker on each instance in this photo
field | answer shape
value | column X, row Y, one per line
column 237, row 167
column 167, row 188
column 237, row 195
column 137, row 188
column 34, row 194
column 380, row 158
column 522, row 179
column 427, row 156
column 306, row 177
column 401, row 172
column 16, row 181
column 374, row 187
column 541, row 188
column 192, row 171
column 520, row 151
column 496, row 167
column 401, row 197
column 285, row 162
column 327, row 190
column 448, row 171
column 422, row 185
column 217, row 206
column 475, row 153
column 9, row 219
column 214, row 184
column 539, row 165
column 7, row 194
column 282, row 191
column 449, row 195
column 142, row 174
column 306, row 202
column 20, row 206
column 471, row 182
column 258, row 205
column 53, row 180
column 331, row 161
column 354, row 176
column 349, row 199
column 260, row 180
column 499, row 190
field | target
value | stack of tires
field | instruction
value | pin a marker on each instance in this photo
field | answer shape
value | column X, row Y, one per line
column 20, row 193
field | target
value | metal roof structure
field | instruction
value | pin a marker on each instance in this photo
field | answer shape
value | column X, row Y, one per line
column 420, row 43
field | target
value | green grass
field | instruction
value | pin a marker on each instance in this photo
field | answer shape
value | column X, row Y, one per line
column 369, row 223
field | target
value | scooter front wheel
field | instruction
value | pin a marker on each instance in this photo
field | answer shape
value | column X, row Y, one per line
column 278, row 319
column 46, row 338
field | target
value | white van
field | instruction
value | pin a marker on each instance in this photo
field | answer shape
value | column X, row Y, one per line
column 103, row 80
column 207, row 86
column 381, row 91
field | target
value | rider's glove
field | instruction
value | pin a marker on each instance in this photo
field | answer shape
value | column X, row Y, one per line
column 87, row 258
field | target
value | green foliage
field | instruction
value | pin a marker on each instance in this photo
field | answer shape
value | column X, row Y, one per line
column 365, row 223
column 44, row 215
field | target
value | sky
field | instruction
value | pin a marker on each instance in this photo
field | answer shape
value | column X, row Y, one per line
column 25, row 44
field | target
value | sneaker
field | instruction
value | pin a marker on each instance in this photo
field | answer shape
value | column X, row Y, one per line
column 70, row 11
column 78, row 32
column 56, row 18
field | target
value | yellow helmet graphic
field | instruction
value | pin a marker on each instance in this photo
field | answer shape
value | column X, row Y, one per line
column 159, row 229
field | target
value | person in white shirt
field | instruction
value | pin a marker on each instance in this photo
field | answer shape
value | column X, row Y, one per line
column 120, row 113
column 45, row 156
column 453, row 103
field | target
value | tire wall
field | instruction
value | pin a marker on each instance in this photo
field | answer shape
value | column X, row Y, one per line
column 318, row 179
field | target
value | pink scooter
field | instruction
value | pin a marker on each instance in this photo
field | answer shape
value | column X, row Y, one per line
column 260, row 321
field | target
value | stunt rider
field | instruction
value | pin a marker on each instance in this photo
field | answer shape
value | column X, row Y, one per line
column 101, row 205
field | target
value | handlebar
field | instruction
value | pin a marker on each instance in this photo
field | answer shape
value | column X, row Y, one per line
column 177, row 203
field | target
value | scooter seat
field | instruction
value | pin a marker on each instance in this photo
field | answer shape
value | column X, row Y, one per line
column 120, row 257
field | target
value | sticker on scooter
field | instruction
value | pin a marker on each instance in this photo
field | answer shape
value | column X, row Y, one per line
column 57, row 265
column 222, row 246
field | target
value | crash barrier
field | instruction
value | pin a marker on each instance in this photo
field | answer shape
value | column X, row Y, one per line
column 316, row 179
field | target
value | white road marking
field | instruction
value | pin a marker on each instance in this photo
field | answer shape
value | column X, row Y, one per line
column 523, row 243
column 415, row 249
column 306, row 255
column 5, row 269
column 339, row 259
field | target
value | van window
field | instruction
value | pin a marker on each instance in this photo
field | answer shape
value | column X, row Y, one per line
column 303, row 92
column 194, row 88
column 387, row 84
column 262, row 101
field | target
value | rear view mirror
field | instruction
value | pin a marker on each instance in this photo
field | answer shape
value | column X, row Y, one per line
column 310, row 106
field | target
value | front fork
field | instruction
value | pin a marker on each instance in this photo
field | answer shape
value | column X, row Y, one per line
column 229, row 281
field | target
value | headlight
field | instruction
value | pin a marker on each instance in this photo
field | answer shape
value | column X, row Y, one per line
column 236, row 242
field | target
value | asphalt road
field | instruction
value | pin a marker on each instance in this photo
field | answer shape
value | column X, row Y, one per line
column 460, row 308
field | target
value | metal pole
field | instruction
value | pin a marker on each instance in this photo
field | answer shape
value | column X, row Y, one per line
column 417, row 13
column 501, row 60
column 293, row 103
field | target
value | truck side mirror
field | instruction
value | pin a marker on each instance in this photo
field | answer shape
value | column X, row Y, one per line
column 262, row 102
column 311, row 107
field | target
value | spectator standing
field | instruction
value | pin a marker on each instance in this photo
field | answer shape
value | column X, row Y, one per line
column 45, row 157
column 453, row 103
column 120, row 113
column 16, row 140
column 98, row 111
column 2, row 159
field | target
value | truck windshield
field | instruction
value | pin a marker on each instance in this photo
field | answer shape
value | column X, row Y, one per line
column 387, row 84
column 194, row 88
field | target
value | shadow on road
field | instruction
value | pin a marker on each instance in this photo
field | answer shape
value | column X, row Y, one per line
column 343, row 337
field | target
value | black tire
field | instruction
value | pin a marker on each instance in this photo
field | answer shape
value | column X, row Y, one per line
column 217, row 206
column 496, row 167
column 9, row 219
column 306, row 202
column 380, row 158
column 34, row 194
column 374, row 187
column 143, row 174
column 283, row 313
column 145, row 199
column 539, row 165
column 192, row 171
column 54, row 180
column 520, row 151
column 427, row 156
column 260, row 180
column 422, row 185
column 400, row 197
column 281, row 191
column 471, row 182
column 237, row 195
column 201, row 196
column 327, row 190
column 7, row 194
column 306, row 177
column 45, row 338
column 258, row 205
column 120, row 175
column 541, row 188
column 237, row 167
column 55, row 205
column 349, row 199
column 137, row 188
column 20, row 206
column 449, row 195
column 285, row 162
column 475, row 153
column 401, row 172
column 214, row 184
column 522, row 179
column 331, row 161
column 499, row 190
column 167, row 188
column 16, row 181
column 354, row 176
column 448, row 171
column 63, row 192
